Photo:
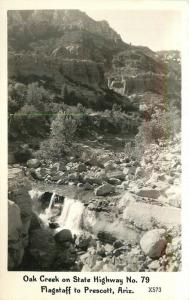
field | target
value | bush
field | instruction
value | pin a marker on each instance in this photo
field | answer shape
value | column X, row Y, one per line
column 162, row 126
column 63, row 130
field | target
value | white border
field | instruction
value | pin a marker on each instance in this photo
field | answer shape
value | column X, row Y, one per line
column 175, row 285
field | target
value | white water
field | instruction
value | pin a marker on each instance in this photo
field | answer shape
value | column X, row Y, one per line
column 71, row 216
column 46, row 215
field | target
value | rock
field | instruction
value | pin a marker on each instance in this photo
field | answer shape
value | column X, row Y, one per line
column 42, row 249
column 80, row 185
column 126, row 171
column 106, row 237
column 139, row 172
column 15, row 222
column 116, row 174
column 83, row 241
column 104, row 189
column 98, row 266
column 86, row 268
column 144, row 215
column 65, row 257
column 33, row 163
column 81, row 167
column 149, row 193
column 173, row 268
column 118, row 244
column 36, row 174
column 73, row 177
column 109, row 248
column 15, row 241
column 154, row 265
column 35, row 222
column 92, row 206
column 39, row 173
column 114, row 181
column 63, row 236
column 87, row 186
column 126, row 200
column 110, row 165
column 109, row 268
column 58, row 166
column 129, row 170
column 153, row 243
column 100, row 250
column 174, row 196
column 60, row 181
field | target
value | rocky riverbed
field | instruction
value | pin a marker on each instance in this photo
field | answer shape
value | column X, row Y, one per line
column 103, row 211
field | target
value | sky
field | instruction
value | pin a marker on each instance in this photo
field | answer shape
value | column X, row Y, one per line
column 156, row 29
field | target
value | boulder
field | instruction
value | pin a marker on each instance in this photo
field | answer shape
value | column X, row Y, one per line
column 83, row 241
column 126, row 200
column 63, row 236
column 110, row 165
column 144, row 215
column 153, row 243
column 139, row 173
column 33, row 163
column 114, row 181
column 15, row 241
column 154, row 265
column 116, row 174
column 109, row 248
column 174, row 195
column 14, row 221
column 104, row 189
column 149, row 193
column 65, row 257
column 42, row 249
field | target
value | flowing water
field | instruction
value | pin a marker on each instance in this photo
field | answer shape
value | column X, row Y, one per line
column 70, row 216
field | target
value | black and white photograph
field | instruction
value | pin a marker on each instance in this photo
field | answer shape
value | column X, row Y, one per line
column 94, row 140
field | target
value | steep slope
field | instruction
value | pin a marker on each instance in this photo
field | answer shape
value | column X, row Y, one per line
column 64, row 47
column 68, row 48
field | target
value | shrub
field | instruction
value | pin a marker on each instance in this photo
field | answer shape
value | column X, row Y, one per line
column 162, row 126
column 59, row 143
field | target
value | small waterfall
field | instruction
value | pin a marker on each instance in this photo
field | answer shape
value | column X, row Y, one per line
column 51, row 203
column 71, row 216
column 46, row 215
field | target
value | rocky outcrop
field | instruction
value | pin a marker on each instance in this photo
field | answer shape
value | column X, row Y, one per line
column 33, row 163
column 104, row 190
column 15, row 239
column 42, row 249
column 20, row 214
column 153, row 243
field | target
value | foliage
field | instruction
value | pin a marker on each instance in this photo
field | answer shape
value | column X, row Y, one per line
column 63, row 130
column 162, row 126
column 37, row 96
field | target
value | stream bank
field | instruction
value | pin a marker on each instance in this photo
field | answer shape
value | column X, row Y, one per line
column 114, row 214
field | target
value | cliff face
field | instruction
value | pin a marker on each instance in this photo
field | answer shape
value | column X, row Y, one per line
column 66, row 47
column 83, row 72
